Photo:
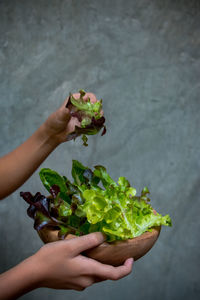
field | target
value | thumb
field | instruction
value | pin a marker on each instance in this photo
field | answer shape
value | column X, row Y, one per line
column 63, row 113
column 82, row 243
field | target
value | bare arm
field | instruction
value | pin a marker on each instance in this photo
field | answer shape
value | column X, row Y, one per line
column 17, row 166
column 19, row 280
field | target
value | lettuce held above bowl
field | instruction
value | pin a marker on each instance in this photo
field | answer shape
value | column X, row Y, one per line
column 92, row 202
column 89, row 114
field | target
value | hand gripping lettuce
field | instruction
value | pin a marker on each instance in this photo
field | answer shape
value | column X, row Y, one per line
column 92, row 202
column 89, row 114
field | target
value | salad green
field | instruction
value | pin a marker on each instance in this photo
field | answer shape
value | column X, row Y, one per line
column 92, row 202
column 89, row 114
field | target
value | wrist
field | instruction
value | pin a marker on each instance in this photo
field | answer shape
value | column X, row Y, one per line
column 29, row 272
column 40, row 270
column 35, row 271
column 20, row 280
column 47, row 137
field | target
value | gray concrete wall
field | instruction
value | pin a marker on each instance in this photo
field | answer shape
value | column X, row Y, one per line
column 142, row 57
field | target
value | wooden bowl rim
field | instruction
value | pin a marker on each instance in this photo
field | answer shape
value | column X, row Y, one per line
column 155, row 231
column 144, row 236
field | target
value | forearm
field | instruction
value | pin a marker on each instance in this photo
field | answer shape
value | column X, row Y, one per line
column 19, row 280
column 17, row 166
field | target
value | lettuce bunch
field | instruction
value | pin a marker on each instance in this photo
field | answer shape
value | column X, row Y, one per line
column 92, row 202
column 89, row 114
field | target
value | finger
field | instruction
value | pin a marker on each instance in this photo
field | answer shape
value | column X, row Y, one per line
column 74, row 122
column 98, row 279
column 70, row 236
column 86, row 281
column 76, row 95
column 71, row 286
column 92, row 97
column 75, row 287
column 113, row 273
column 82, row 243
column 65, row 102
column 63, row 114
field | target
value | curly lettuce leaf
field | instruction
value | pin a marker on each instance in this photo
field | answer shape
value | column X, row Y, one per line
column 39, row 210
column 119, row 216
column 86, row 106
column 89, row 115
column 105, row 178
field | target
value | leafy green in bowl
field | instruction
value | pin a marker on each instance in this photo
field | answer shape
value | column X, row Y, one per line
column 92, row 202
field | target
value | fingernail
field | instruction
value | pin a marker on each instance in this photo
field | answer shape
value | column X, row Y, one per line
column 103, row 236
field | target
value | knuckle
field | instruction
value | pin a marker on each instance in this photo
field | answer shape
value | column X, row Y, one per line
column 129, row 271
column 76, row 95
column 88, row 283
column 91, row 95
column 82, row 270
column 69, row 247
column 115, row 276
column 93, row 239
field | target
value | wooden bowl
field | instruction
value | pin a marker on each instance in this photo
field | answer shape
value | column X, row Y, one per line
column 114, row 253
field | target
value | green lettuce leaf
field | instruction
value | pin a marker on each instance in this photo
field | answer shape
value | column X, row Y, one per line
column 88, row 108
column 50, row 178
column 89, row 115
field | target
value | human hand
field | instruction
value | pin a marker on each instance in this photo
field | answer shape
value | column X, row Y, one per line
column 60, row 123
column 61, row 266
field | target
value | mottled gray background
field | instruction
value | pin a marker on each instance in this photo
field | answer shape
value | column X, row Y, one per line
column 143, row 58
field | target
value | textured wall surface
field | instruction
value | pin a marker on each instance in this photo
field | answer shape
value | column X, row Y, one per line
column 142, row 57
